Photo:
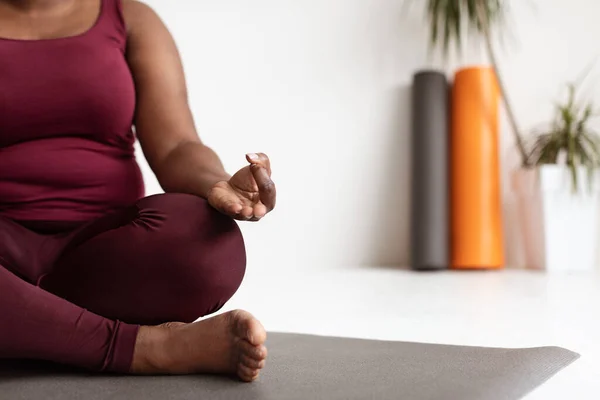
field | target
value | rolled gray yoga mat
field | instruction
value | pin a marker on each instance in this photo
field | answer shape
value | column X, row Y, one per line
column 302, row 367
column 429, row 189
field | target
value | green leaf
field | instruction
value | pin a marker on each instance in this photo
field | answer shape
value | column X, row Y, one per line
column 569, row 134
column 448, row 17
column 573, row 169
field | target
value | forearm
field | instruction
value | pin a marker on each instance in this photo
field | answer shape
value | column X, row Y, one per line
column 190, row 168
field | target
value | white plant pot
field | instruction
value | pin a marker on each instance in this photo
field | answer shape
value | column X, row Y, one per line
column 559, row 227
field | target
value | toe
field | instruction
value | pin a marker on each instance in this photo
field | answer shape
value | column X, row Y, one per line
column 258, row 353
column 247, row 374
column 256, row 332
column 251, row 362
column 249, row 328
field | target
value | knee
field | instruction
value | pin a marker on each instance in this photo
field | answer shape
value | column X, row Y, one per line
column 189, row 221
column 204, row 277
column 207, row 256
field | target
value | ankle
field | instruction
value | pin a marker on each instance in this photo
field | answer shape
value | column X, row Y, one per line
column 150, row 354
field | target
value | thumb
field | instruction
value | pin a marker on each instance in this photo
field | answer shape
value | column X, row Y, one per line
column 259, row 159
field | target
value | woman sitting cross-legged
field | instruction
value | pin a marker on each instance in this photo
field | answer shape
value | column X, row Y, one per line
column 91, row 273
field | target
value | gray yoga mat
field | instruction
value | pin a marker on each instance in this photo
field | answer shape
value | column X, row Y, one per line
column 430, row 196
column 304, row 367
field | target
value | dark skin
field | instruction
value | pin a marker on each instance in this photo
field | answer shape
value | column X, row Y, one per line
column 164, row 123
column 165, row 126
column 232, row 342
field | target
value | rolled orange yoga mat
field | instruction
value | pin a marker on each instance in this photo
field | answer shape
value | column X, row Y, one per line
column 475, row 191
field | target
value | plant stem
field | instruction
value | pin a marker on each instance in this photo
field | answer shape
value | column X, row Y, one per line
column 483, row 17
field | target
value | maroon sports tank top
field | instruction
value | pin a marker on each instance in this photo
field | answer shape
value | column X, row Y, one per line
column 66, row 114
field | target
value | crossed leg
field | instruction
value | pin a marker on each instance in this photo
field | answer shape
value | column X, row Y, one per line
column 120, row 293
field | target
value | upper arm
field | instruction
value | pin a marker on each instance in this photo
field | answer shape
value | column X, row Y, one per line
column 163, row 118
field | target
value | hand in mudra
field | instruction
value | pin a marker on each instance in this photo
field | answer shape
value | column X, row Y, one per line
column 250, row 194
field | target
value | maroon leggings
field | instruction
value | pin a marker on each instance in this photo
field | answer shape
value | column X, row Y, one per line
column 78, row 297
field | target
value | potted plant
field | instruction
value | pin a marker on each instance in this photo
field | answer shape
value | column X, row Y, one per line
column 559, row 199
column 450, row 20
column 557, row 184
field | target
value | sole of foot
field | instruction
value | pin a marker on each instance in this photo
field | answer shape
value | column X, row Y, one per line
column 229, row 343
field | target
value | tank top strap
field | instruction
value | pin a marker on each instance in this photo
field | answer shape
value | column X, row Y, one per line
column 111, row 22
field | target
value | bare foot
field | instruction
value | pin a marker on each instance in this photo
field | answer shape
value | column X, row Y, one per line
column 230, row 343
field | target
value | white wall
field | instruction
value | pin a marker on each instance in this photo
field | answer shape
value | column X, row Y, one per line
column 322, row 86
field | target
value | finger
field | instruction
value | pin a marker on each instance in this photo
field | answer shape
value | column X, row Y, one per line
column 229, row 205
column 266, row 187
column 261, row 159
column 225, row 205
column 246, row 213
column 260, row 210
column 233, row 208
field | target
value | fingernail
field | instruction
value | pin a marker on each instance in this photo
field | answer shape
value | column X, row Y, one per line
column 253, row 156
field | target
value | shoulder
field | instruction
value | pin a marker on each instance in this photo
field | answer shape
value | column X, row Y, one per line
column 139, row 17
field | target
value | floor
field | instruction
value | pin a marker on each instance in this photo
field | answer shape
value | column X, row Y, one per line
column 497, row 309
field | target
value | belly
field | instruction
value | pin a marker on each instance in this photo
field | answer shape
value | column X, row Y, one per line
column 66, row 179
